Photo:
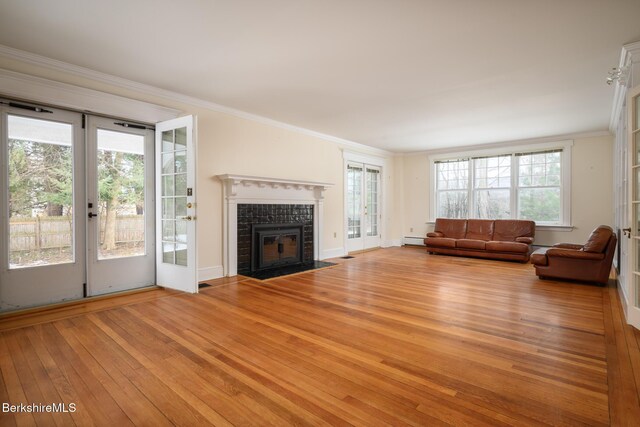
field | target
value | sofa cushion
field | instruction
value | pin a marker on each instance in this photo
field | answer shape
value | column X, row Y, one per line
column 453, row 228
column 479, row 229
column 471, row 244
column 539, row 257
column 494, row 246
column 507, row 230
column 442, row 242
column 598, row 239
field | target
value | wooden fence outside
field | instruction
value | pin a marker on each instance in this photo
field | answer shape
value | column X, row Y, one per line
column 54, row 232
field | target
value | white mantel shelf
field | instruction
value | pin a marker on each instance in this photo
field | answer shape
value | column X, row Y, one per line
column 233, row 181
column 241, row 189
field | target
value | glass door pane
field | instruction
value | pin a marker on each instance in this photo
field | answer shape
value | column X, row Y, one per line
column 174, row 196
column 121, row 194
column 40, row 163
column 354, row 201
column 372, row 202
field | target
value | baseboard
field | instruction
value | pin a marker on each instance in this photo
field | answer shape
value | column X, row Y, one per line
column 332, row 253
column 416, row 241
column 390, row 243
column 623, row 298
column 209, row 273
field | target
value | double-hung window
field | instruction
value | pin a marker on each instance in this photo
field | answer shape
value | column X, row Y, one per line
column 492, row 187
column 527, row 184
column 540, row 186
column 452, row 183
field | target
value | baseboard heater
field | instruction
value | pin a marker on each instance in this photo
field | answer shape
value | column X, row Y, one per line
column 415, row 241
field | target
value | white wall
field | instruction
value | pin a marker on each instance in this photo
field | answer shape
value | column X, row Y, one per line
column 591, row 194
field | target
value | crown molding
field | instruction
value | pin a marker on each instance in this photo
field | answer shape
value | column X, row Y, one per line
column 56, row 65
column 57, row 94
column 629, row 56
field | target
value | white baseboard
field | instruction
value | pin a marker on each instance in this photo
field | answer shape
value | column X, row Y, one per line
column 392, row 242
column 332, row 253
column 417, row 241
column 209, row 273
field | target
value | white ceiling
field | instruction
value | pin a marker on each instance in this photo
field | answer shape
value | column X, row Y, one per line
column 399, row 75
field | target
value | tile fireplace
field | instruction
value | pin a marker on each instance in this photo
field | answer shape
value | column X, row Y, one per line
column 267, row 220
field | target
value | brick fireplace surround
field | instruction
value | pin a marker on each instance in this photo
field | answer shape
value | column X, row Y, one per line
column 250, row 190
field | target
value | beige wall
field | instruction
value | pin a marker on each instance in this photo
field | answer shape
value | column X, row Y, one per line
column 235, row 145
column 591, row 192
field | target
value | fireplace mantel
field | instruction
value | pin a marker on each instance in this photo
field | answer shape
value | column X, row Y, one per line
column 239, row 189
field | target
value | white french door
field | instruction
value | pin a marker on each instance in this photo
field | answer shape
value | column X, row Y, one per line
column 120, row 204
column 77, row 203
column 176, row 204
column 43, row 206
column 632, row 279
column 363, row 195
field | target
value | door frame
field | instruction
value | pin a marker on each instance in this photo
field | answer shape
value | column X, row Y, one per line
column 365, row 159
column 16, row 86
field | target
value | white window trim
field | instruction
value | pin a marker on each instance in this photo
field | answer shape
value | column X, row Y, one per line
column 565, row 186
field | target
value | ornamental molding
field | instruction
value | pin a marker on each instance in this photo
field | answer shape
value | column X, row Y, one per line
column 236, row 185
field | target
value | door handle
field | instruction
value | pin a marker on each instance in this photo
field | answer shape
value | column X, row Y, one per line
column 188, row 218
column 627, row 232
column 91, row 215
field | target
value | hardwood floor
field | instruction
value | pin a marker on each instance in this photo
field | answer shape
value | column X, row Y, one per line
column 390, row 337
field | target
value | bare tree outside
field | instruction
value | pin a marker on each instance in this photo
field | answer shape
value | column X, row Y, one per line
column 41, row 191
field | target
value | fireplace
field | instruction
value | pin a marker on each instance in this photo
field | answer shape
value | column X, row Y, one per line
column 275, row 246
column 252, row 200
column 272, row 236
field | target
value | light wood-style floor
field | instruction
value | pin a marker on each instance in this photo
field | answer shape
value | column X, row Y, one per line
column 391, row 337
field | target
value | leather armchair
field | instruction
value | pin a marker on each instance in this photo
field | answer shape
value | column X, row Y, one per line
column 590, row 262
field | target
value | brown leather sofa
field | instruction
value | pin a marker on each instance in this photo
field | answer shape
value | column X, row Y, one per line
column 590, row 262
column 503, row 239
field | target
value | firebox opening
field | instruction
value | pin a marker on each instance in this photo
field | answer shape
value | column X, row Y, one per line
column 276, row 246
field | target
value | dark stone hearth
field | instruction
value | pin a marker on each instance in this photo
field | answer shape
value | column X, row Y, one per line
column 249, row 215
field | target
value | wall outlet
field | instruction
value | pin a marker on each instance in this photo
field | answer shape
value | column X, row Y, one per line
column 411, row 229
column 335, row 234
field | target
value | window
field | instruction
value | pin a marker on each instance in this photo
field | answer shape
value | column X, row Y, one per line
column 453, row 188
column 518, row 185
column 491, row 189
column 539, row 186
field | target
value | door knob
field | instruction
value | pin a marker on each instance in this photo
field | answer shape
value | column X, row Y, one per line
column 91, row 215
column 187, row 218
column 627, row 232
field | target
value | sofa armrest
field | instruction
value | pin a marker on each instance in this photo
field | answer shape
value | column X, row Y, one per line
column 575, row 254
column 568, row 246
column 527, row 240
column 435, row 234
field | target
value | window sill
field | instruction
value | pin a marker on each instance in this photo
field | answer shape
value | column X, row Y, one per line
column 564, row 228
